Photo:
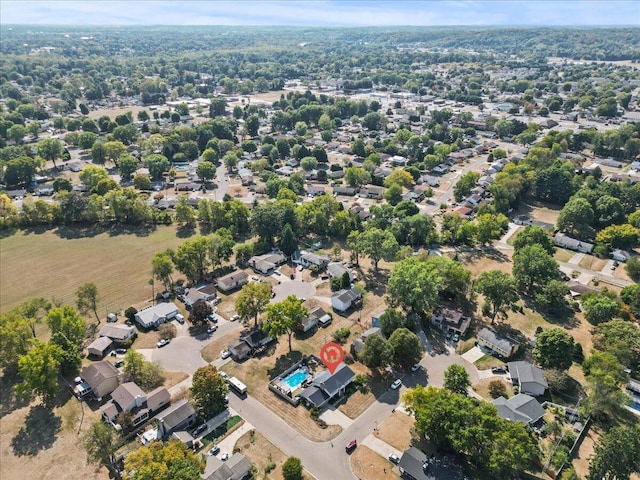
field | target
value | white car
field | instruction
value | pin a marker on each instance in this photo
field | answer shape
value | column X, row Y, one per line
column 225, row 354
column 224, row 456
column 163, row 342
column 234, row 318
column 224, row 375
column 396, row 384
column 415, row 368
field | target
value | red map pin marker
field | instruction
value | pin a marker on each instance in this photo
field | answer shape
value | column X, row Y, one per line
column 331, row 355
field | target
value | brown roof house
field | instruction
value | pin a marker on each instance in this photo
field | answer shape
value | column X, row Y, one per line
column 99, row 347
column 102, row 377
column 129, row 397
column 449, row 320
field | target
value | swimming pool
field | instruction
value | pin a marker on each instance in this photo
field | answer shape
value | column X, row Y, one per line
column 295, row 379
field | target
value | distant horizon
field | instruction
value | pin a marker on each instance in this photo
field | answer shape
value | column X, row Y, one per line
column 323, row 13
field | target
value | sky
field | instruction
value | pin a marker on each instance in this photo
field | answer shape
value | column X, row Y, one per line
column 322, row 12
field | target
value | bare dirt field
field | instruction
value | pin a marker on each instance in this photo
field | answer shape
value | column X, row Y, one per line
column 54, row 263
column 482, row 388
column 366, row 463
column 261, row 453
column 480, row 261
column 35, row 443
column 397, row 430
column 593, row 263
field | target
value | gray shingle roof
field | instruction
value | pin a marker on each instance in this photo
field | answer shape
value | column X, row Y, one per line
column 524, row 372
column 521, row 408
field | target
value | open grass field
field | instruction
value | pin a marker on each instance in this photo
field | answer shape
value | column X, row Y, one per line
column 482, row 388
column 54, row 263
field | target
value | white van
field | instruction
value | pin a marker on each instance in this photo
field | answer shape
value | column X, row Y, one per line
column 179, row 318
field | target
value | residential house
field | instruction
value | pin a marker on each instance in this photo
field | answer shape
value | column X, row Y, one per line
column 337, row 269
column 335, row 174
column 521, row 408
column 153, row 316
column 413, row 196
column 246, row 176
column 359, row 210
column 414, row 465
column 565, row 241
column 237, row 467
column 284, row 171
column 313, row 260
column 313, row 191
column 474, row 199
column 440, row 169
column 372, row 192
column 317, row 316
column 266, row 263
column 576, row 288
column 382, row 171
column 129, row 397
column 179, row 416
column 101, row 377
column 326, row 386
column 462, row 211
column 358, row 344
column 205, row 293
column 232, row 281
column 346, row 191
column 251, row 343
column 99, row 347
column 620, row 255
column 449, row 320
column 119, row 333
column 399, row 161
column 344, row 299
column 497, row 343
column 529, row 378
column 429, row 180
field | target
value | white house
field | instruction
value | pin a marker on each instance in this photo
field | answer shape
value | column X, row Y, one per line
column 119, row 332
column 309, row 260
column 266, row 263
column 620, row 255
column 343, row 300
column 153, row 316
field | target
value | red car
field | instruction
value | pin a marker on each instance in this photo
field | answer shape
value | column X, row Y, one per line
column 351, row 446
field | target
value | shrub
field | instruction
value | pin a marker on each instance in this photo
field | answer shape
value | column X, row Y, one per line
column 341, row 335
column 130, row 313
column 497, row 388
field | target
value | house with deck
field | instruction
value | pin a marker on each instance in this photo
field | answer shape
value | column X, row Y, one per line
column 326, row 386
column 232, row 281
column 498, row 344
column 529, row 378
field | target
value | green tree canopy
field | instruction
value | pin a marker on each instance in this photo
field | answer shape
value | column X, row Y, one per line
column 39, row 369
column 456, row 379
column 600, row 308
column 377, row 353
column 292, row 469
column 617, row 454
column 406, row 346
column 253, row 300
column 160, row 461
column 208, row 392
column 87, row 299
column 554, row 349
column 499, row 291
column 285, row 317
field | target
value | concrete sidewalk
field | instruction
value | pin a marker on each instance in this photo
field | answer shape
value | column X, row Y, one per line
column 379, row 446
column 229, row 442
column 333, row 416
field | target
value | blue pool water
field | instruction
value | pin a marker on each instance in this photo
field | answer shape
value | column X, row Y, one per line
column 294, row 380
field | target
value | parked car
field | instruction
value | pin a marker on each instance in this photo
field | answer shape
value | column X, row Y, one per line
column 254, row 278
column 234, row 318
column 416, row 367
column 212, row 329
column 498, row 370
column 351, row 446
column 121, row 351
column 214, row 450
column 224, row 457
column 225, row 354
column 456, row 337
column 180, row 318
column 118, row 363
column 224, row 375
column 393, row 458
column 396, row 384
column 213, row 318
column 277, row 272
column 163, row 342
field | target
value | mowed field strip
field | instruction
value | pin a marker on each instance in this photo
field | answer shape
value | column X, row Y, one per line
column 47, row 265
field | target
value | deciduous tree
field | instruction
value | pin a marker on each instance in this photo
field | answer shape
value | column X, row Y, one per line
column 87, row 299
column 284, row 317
column 406, row 346
column 208, row 392
column 617, row 454
column 499, row 291
column 554, row 349
column 456, row 379
column 160, row 461
column 377, row 353
column 101, row 442
column 39, row 369
column 253, row 300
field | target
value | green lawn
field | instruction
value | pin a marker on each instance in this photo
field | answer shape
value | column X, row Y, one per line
column 53, row 264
